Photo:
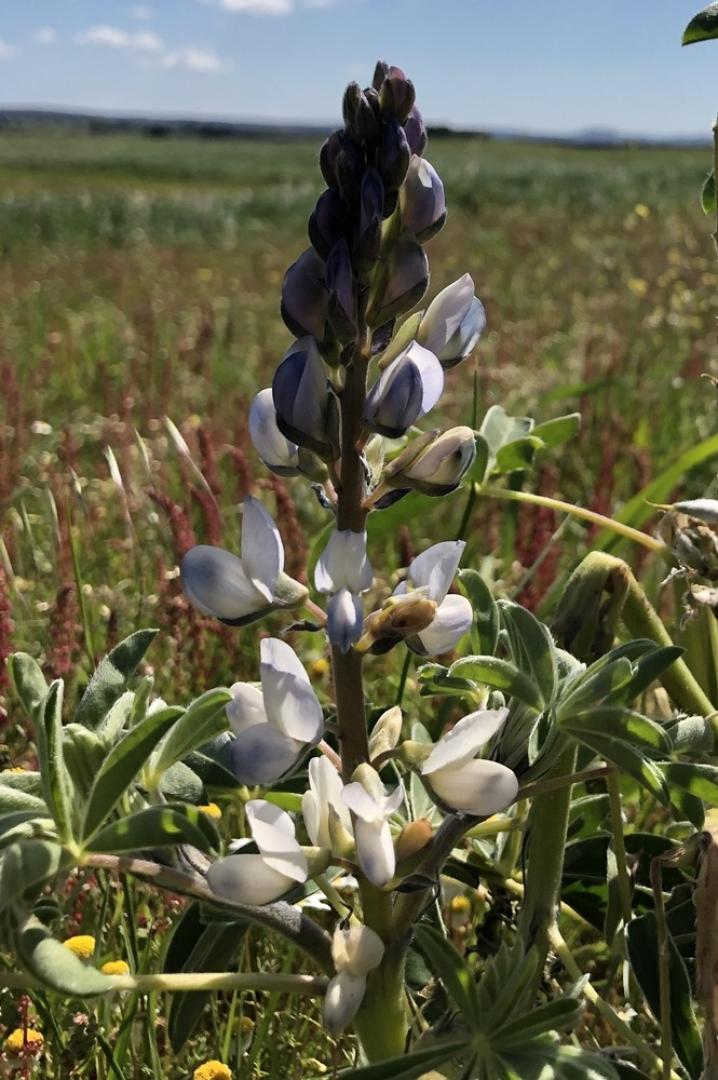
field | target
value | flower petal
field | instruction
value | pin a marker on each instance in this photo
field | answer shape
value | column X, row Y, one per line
column 480, row 787
column 247, row 879
column 273, row 831
column 452, row 620
column 345, row 993
column 375, row 851
column 445, row 313
column 262, row 548
column 344, row 564
column 275, row 450
column 246, row 707
column 432, row 375
column 357, row 949
column 261, row 754
column 436, row 568
column 345, row 619
column 290, row 703
column 325, row 790
column 464, row 740
column 215, row 582
column 361, row 803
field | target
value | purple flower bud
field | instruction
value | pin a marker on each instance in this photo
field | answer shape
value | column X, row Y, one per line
column 306, row 407
column 328, row 157
column 361, row 121
column 397, row 94
column 328, row 221
column 406, row 282
column 349, row 168
column 304, row 296
column 415, row 129
column 340, row 286
column 423, row 207
column 406, row 390
column 394, row 155
column 371, row 211
column 380, row 72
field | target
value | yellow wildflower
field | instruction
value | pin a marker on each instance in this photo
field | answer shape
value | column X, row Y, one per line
column 115, row 967
column 212, row 1070
column 638, row 286
column 18, row 1039
column 319, row 668
column 460, row 905
column 245, row 1026
column 16, row 769
column 211, row 810
column 641, row 210
column 82, row 945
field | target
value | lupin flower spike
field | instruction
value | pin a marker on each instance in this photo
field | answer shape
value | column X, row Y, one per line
column 241, row 590
column 273, row 726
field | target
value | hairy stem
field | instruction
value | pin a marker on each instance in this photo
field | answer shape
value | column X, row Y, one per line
column 181, row 982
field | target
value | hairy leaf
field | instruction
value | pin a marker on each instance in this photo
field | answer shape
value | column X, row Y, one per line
column 111, row 678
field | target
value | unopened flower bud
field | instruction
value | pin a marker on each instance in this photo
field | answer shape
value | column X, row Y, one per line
column 349, row 166
column 386, row 732
column 406, row 280
column 328, row 222
column 453, row 322
column 328, row 157
column 306, row 407
column 412, row 839
column 371, row 211
column 397, row 94
column 394, row 155
column 361, row 121
column 380, row 72
column 406, row 390
column 442, row 466
column 401, row 617
column 415, row 129
column 276, row 451
column 304, row 296
column 423, row 206
column 356, row 950
column 340, row 287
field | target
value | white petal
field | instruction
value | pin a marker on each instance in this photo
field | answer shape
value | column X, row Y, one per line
column 345, row 619
column 452, row 620
column 358, row 799
column 465, row 739
column 393, row 802
column 445, row 313
column 246, row 707
column 344, row 563
column 479, row 787
column 273, row 447
column 290, row 703
column 247, row 879
column 315, row 820
column 375, row 851
column 436, row 568
column 357, row 949
column 325, row 790
column 262, row 549
column 432, row 375
column 343, row 998
column 261, row 754
column 214, row 581
column 273, row 831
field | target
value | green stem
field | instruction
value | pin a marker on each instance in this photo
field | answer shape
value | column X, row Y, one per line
column 664, row 974
column 547, row 827
column 188, row 981
column 491, row 492
column 619, row 846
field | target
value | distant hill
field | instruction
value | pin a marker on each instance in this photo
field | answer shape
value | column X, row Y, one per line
column 29, row 120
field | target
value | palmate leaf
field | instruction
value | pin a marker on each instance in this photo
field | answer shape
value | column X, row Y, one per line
column 532, row 647
column 111, row 678
column 642, row 939
column 698, row 780
column 556, row 432
column 702, row 27
column 55, row 966
column 202, row 720
column 157, row 826
column 452, row 969
column 623, row 724
column 556, row 1015
column 122, row 765
column 627, row 758
column 13, row 799
column 543, row 1058
column 486, row 613
column 412, row 1065
column 196, row 946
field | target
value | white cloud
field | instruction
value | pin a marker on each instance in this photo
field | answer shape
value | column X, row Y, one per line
column 192, row 59
column 45, row 35
column 318, row 3
column 115, row 38
column 140, row 11
column 7, row 51
column 258, row 7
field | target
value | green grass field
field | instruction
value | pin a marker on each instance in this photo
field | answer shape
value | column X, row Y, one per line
column 140, row 280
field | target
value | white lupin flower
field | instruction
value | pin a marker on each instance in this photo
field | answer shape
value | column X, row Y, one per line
column 274, row 725
column 240, row 590
column 356, row 950
column 372, row 810
column 464, row 782
column 453, row 322
column 433, row 571
column 261, row 877
column 343, row 571
column 440, row 467
column 404, row 392
column 325, row 794
column 276, row 451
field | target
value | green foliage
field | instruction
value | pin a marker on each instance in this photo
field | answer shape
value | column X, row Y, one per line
column 56, row 967
column 703, row 26
column 112, row 677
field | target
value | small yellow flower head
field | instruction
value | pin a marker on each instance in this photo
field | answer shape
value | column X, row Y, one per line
column 82, row 945
column 459, row 912
column 211, row 810
column 319, row 668
column 115, row 967
column 641, row 210
column 212, row 1070
column 245, row 1026
column 18, row 1039
column 16, row 769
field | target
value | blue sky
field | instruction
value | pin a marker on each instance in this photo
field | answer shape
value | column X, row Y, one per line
column 548, row 66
